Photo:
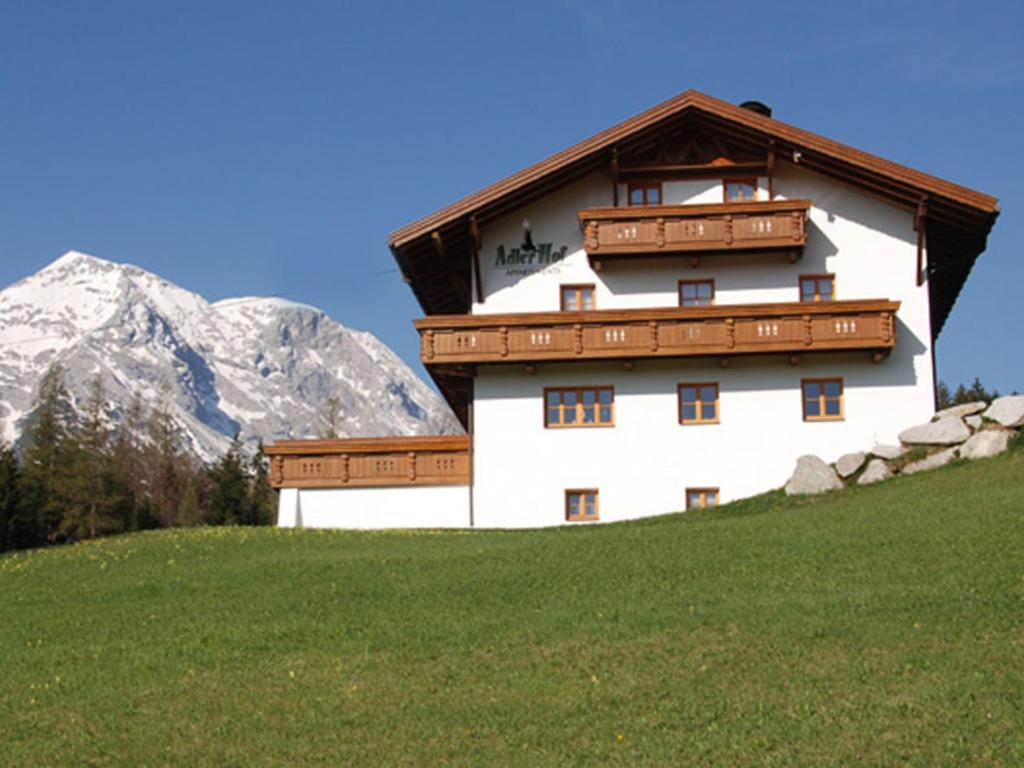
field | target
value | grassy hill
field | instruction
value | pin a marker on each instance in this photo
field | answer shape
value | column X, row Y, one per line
column 880, row 626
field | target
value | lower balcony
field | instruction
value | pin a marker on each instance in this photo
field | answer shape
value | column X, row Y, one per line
column 369, row 462
column 724, row 330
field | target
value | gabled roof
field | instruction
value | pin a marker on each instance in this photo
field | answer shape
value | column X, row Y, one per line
column 434, row 253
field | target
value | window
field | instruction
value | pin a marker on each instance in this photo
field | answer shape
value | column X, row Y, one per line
column 698, row 403
column 644, row 193
column 823, row 399
column 577, row 298
column 579, row 407
column 581, row 505
column 696, row 293
column 701, row 498
column 817, row 287
column 740, row 190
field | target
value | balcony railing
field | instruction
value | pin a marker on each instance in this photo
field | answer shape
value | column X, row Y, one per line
column 369, row 462
column 778, row 225
column 722, row 330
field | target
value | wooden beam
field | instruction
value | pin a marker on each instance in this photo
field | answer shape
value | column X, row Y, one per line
column 438, row 241
column 474, row 236
column 919, row 227
column 771, row 169
column 615, row 177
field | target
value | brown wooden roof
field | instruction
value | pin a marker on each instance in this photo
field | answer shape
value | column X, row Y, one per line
column 433, row 253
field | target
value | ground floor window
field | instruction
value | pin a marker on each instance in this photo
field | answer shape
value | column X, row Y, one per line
column 579, row 407
column 698, row 403
column 823, row 399
column 581, row 505
column 699, row 498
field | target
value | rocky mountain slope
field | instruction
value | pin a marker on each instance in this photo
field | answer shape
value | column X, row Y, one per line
column 263, row 367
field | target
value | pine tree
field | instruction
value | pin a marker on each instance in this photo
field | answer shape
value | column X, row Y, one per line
column 942, row 397
column 977, row 391
column 190, row 512
column 261, row 495
column 93, row 498
column 42, row 499
column 229, row 492
column 9, row 480
column 330, row 417
column 128, row 463
column 165, row 466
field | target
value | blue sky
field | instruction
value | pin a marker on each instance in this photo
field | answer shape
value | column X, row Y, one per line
column 269, row 147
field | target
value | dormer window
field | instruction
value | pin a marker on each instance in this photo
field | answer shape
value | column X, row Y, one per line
column 644, row 193
column 740, row 190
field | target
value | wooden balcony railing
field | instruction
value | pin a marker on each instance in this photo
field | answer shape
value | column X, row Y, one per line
column 370, row 462
column 778, row 225
column 722, row 330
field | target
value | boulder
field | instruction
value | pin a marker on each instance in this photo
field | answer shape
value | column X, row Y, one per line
column 1008, row 411
column 850, row 463
column 964, row 409
column 812, row 475
column 950, row 430
column 888, row 451
column 989, row 442
column 974, row 422
column 877, row 471
column 936, row 460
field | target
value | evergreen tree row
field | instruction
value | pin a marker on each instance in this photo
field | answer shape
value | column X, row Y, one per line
column 76, row 477
column 972, row 394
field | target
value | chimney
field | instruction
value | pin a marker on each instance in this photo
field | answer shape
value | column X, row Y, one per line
column 757, row 106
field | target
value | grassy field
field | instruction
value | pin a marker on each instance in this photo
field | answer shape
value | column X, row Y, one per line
column 877, row 626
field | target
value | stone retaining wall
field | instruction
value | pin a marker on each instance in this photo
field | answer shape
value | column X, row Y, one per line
column 969, row 431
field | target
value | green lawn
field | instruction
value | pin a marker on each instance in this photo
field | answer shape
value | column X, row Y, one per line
column 875, row 626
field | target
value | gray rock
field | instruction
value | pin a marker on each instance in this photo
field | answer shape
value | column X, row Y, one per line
column 812, row 475
column 888, row 451
column 936, row 460
column 974, row 422
column 850, row 463
column 877, row 471
column 964, row 409
column 990, row 442
column 948, row 431
column 1008, row 411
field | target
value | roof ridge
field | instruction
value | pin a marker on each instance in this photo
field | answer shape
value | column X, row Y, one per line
column 694, row 99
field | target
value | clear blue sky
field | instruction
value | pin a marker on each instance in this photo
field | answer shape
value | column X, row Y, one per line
column 269, row 147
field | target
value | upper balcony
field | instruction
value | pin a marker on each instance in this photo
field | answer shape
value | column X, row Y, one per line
column 628, row 334
column 695, row 230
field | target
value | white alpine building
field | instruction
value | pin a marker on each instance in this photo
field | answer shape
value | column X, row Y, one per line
column 663, row 316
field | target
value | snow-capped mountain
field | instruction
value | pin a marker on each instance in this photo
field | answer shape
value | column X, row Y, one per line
column 260, row 366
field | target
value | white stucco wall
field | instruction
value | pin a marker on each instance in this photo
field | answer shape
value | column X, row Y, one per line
column 643, row 465
column 438, row 506
column 868, row 243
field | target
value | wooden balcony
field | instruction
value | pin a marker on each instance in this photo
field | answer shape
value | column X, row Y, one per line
column 370, row 462
column 723, row 330
column 695, row 230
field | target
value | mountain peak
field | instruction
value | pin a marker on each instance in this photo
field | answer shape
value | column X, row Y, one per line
column 252, row 364
column 78, row 258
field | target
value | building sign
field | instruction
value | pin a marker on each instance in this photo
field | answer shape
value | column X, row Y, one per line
column 529, row 257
